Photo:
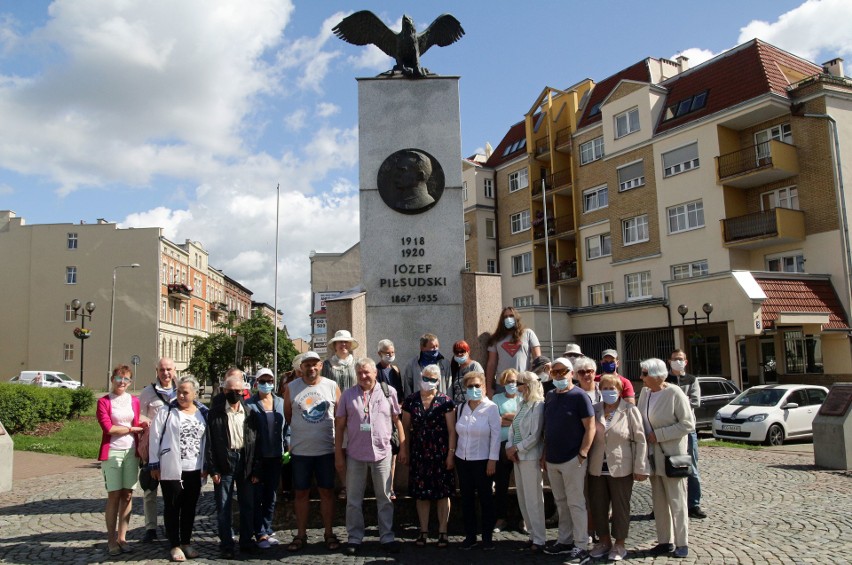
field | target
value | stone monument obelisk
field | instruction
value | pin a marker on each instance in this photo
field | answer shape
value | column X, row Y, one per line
column 412, row 227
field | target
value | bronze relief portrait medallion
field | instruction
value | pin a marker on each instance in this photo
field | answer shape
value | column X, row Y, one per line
column 411, row 181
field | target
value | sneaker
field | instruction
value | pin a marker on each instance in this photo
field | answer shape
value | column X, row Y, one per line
column 600, row 549
column 468, row 543
column 559, row 548
column 351, row 548
column 681, row 552
column 150, row 536
column 617, row 553
column 488, row 546
column 577, row 555
column 264, row 543
column 272, row 540
column 499, row 526
column 697, row 512
column 661, row 549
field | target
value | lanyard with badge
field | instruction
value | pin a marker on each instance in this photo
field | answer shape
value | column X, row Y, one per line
column 365, row 423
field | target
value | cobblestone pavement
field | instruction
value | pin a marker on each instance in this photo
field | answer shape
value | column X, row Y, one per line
column 764, row 507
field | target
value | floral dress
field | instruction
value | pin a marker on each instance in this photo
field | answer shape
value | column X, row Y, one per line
column 428, row 477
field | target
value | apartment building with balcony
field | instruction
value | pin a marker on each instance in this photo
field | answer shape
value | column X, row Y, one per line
column 717, row 185
column 480, row 224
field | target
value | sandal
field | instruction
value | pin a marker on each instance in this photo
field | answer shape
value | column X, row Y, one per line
column 443, row 541
column 331, row 542
column 189, row 551
column 342, row 494
column 113, row 549
column 298, row 542
column 422, row 539
column 176, row 554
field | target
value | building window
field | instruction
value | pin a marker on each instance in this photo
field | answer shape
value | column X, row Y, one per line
column 598, row 246
column 686, row 217
column 600, row 294
column 781, row 132
column 72, row 241
column 518, row 180
column 631, row 176
column 689, row 270
column 791, row 262
column 196, row 318
column 635, row 230
column 488, row 184
column 466, row 231
column 802, row 352
column 680, row 160
column 467, row 266
column 490, row 231
column 522, row 301
column 787, row 197
column 68, row 354
column 627, row 122
column 638, row 285
column 595, row 199
column 70, row 275
column 520, row 221
column 591, row 150
column 70, row 314
column 522, row 264
column 163, row 310
column 491, row 265
column 685, row 106
column 464, row 191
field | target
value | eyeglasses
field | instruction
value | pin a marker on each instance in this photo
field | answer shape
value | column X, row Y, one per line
column 584, row 372
column 559, row 372
column 122, row 379
column 429, row 380
column 469, row 387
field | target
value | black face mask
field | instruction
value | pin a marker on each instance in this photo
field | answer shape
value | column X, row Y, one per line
column 233, row 396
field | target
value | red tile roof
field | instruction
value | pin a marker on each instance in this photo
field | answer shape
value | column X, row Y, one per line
column 743, row 73
column 801, row 295
column 515, row 133
column 638, row 72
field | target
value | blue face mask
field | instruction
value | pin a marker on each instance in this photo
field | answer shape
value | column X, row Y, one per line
column 608, row 367
column 509, row 322
column 511, row 388
column 265, row 388
column 561, row 385
column 429, row 357
column 460, row 359
column 473, row 393
column 609, row 396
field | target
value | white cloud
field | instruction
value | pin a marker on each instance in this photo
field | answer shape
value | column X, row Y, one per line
column 296, row 120
column 327, row 109
column 6, row 190
column 308, row 53
column 371, row 57
column 696, row 55
column 814, row 28
column 162, row 217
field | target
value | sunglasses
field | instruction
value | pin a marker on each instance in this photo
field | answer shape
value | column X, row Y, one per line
column 473, row 386
column 122, row 379
column 428, row 380
column 644, row 373
column 559, row 371
column 585, row 372
column 264, row 382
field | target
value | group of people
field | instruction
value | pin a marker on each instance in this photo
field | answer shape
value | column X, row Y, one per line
column 450, row 421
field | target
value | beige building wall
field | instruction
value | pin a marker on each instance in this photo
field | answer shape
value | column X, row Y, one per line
column 331, row 273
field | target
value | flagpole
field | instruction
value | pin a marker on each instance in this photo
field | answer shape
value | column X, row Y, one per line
column 275, row 300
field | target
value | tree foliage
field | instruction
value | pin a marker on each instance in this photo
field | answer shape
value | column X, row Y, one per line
column 213, row 354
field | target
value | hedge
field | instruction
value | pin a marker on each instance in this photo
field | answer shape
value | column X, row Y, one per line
column 22, row 407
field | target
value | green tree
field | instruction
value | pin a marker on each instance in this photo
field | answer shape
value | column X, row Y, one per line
column 211, row 356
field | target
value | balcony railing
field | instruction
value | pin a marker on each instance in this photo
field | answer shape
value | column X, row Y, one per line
column 566, row 270
column 768, row 227
column 563, row 140
column 555, row 226
column 542, row 146
column 560, row 178
column 758, row 164
column 218, row 307
column 180, row 290
column 536, row 187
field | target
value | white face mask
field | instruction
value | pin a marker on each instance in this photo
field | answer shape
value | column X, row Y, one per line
column 427, row 386
column 678, row 365
column 388, row 358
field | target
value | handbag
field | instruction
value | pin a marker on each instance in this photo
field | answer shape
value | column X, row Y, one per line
column 677, row 466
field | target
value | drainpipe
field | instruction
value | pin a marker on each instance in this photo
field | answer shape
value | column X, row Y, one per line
column 847, row 256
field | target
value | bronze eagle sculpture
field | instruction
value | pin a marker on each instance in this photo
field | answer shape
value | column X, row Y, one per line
column 365, row 28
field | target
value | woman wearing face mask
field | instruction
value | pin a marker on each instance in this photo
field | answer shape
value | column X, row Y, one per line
column 507, row 403
column 461, row 365
column 512, row 346
column 270, row 448
column 477, row 452
column 584, row 370
column 429, row 422
column 619, row 455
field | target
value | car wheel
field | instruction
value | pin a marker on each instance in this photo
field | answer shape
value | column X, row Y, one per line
column 775, row 435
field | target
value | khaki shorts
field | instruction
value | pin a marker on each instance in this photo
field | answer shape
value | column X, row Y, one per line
column 120, row 470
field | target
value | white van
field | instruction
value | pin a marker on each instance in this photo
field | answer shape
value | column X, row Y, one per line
column 51, row 379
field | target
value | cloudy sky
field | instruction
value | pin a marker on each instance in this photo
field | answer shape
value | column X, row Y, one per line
column 187, row 114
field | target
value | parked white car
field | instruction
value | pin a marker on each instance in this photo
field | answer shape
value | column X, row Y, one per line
column 49, row 379
column 770, row 413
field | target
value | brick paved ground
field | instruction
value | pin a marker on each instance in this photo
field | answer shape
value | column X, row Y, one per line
column 765, row 507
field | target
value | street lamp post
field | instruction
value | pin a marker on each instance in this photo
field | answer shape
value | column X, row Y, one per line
column 82, row 335
column 683, row 311
column 112, row 314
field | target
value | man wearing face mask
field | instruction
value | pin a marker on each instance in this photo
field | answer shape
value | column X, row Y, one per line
column 541, row 367
column 430, row 354
column 609, row 366
column 230, row 459
column 388, row 373
column 689, row 385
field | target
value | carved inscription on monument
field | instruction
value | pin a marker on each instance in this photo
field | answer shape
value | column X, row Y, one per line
column 412, row 278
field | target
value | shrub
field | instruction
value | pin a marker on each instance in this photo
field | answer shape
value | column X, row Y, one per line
column 23, row 407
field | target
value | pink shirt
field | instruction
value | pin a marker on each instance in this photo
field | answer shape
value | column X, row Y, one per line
column 104, row 417
column 369, row 430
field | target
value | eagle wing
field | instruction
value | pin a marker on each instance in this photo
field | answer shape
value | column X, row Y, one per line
column 446, row 29
column 365, row 28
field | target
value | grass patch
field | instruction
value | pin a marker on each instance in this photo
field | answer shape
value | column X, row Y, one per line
column 80, row 437
column 725, row 443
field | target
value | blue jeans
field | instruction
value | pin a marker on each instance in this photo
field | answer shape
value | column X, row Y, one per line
column 693, row 482
column 264, row 495
column 224, row 494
